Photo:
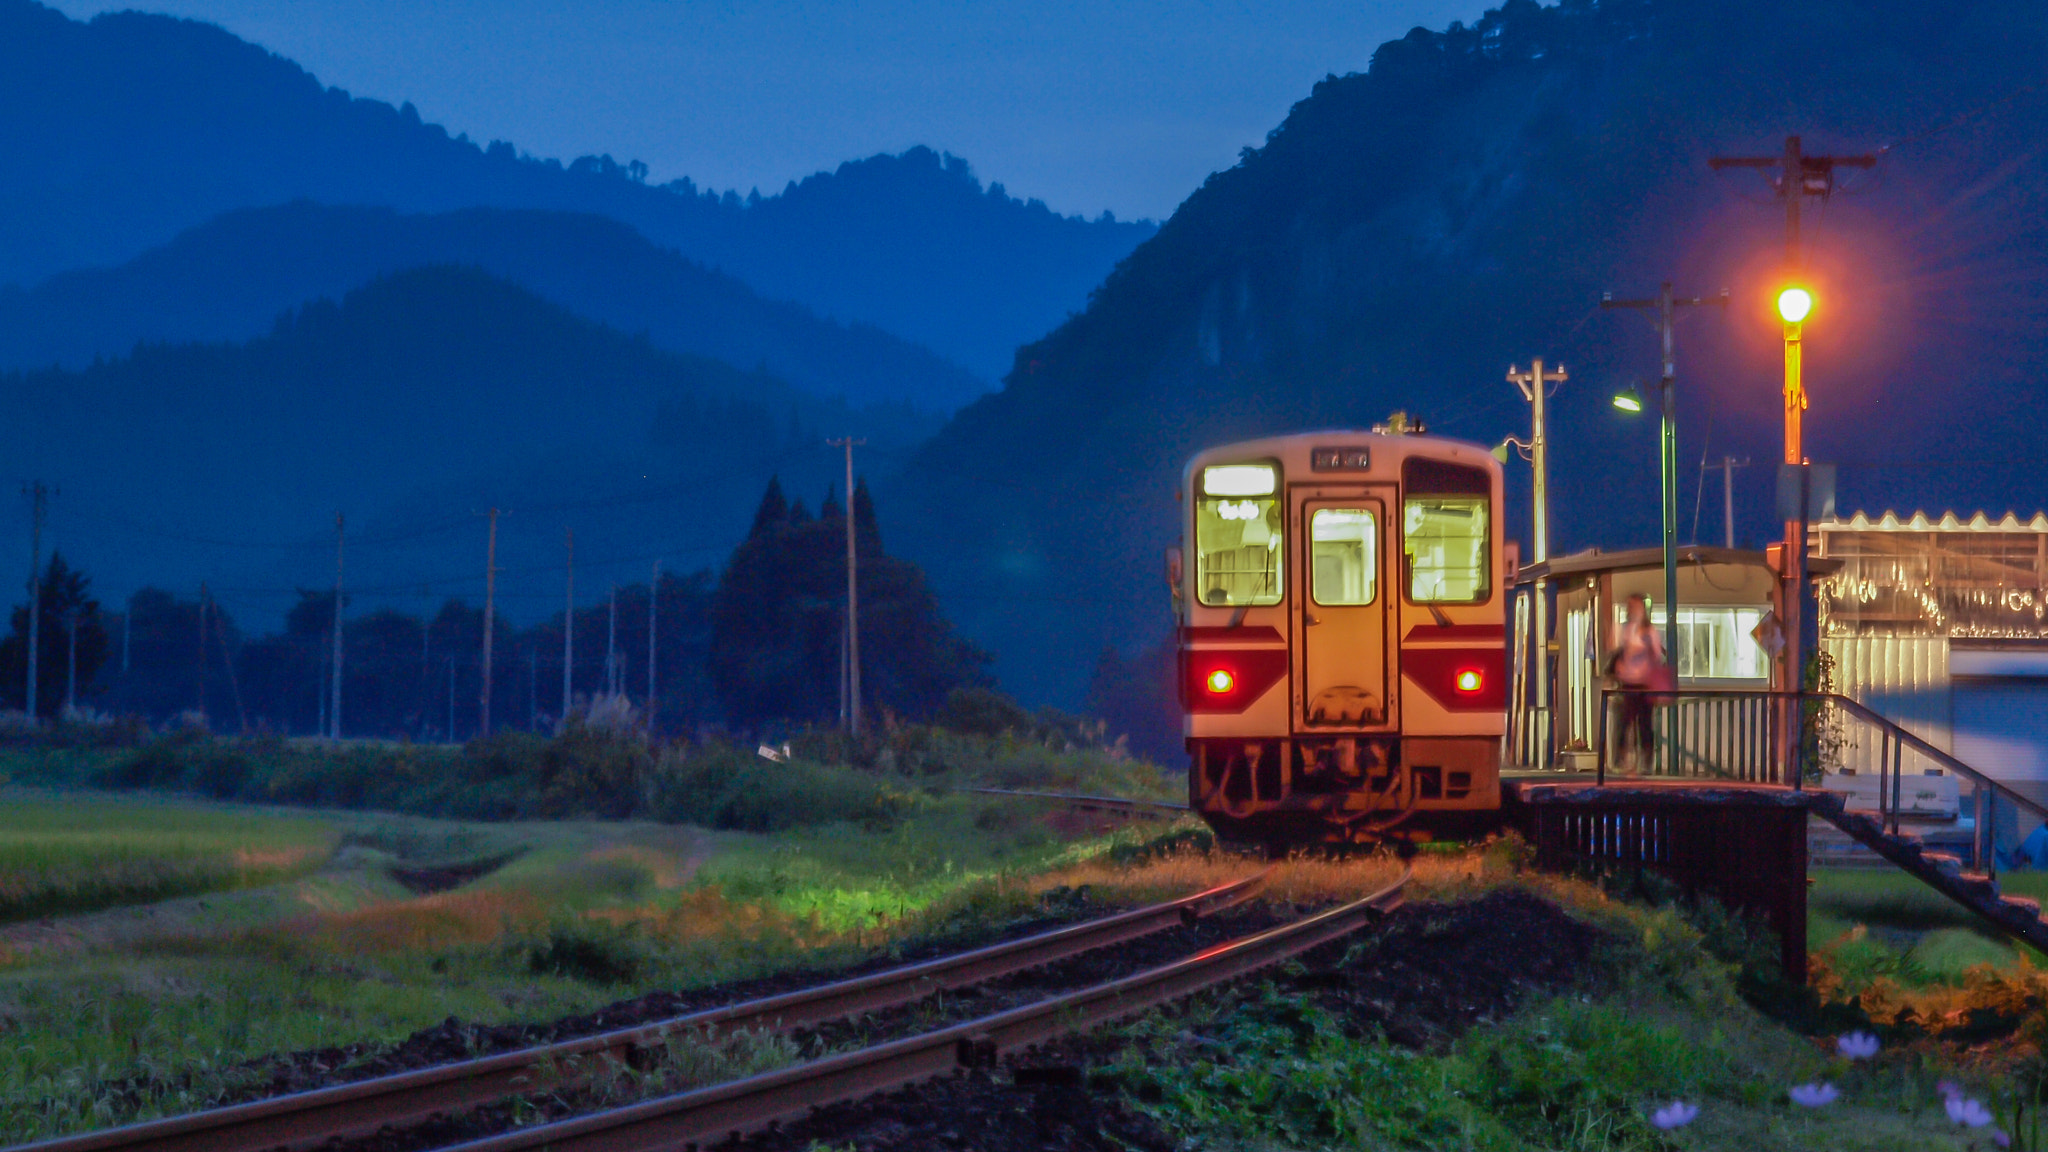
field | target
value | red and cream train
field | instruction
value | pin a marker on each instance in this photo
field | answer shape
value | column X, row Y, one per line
column 1340, row 599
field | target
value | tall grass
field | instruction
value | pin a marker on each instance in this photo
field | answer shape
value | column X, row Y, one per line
column 65, row 856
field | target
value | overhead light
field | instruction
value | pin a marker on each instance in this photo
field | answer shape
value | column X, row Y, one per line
column 1794, row 303
column 1629, row 401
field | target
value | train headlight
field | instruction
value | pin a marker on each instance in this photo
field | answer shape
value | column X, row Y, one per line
column 1469, row 680
column 1220, row 681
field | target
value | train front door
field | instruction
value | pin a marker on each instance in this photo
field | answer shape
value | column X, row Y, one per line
column 1344, row 672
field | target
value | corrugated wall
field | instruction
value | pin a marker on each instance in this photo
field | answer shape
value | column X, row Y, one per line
column 1904, row 678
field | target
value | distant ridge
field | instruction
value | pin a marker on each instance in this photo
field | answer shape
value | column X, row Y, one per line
column 121, row 132
column 413, row 401
column 229, row 279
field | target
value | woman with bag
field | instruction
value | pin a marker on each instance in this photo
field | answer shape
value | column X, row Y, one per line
column 1641, row 671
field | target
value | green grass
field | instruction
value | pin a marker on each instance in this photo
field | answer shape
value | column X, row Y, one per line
column 61, row 855
column 585, row 913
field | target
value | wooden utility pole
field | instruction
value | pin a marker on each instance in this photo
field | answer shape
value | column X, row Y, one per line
column 1726, row 466
column 1798, row 176
column 569, row 630
column 653, row 615
column 127, row 620
column 39, row 494
column 1535, row 385
column 1666, row 306
column 490, row 614
column 852, row 675
column 334, row 700
column 612, row 685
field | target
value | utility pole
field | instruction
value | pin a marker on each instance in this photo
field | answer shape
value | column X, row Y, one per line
column 70, row 661
column 39, row 494
column 451, row 698
column 1535, row 385
column 1666, row 307
column 1798, row 176
column 1727, row 467
column 653, row 615
column 490, row 613
column 334, row 702
column 612, row 686
column 127, row 619
column 569, row 631
column 852, row 597
column 199, row 666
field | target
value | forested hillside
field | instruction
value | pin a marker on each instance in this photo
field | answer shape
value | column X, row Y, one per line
column 229, row 279
column 1410, row 231
column 412, row 405
column 126, row 130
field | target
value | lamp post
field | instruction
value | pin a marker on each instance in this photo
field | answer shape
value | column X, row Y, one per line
column 1794, row 304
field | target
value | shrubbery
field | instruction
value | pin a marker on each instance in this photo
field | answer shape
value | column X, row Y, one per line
column 608, row 771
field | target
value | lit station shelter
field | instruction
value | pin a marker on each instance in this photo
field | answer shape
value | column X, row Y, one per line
column 1941, row 625
column 1723, row 594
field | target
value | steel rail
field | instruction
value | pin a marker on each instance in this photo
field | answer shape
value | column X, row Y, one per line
column 1100, row 803
column 364, row 1106
column 706, row 1116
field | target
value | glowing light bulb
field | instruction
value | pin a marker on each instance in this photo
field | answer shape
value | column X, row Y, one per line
column 1794, row 304
column 1469, row 680
column 1221, row 681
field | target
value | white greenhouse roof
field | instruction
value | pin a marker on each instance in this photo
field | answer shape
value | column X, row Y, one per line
column 1921, row 522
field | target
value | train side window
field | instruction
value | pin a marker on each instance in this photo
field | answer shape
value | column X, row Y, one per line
column 1238, row 535
column 1446, row 531
column 1344, row 552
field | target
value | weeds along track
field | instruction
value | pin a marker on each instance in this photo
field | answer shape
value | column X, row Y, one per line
column 311, row 1118
column 708, row 1116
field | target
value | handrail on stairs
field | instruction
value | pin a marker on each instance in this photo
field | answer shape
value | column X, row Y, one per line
column 1891, row 755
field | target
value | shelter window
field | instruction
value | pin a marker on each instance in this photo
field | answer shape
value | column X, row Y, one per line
column 1446, row 532
column 1714, row 643
column 1344, row 549
column 1238, row 535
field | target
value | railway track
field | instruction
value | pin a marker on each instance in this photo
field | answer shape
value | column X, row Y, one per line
column 1115, row 804
column 310, row 1118
column 706, row 1116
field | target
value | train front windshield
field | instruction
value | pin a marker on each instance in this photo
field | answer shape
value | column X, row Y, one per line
column 1238, row 535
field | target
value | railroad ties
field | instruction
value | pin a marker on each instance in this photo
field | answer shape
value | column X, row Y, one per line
column 708, row 1114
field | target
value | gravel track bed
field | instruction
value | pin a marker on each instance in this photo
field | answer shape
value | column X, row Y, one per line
column 931, row 1013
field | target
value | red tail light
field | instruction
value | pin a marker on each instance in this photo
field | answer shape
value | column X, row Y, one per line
column 1229, row 679
column 1469, row 681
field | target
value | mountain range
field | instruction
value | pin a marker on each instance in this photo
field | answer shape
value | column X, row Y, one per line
column 126, row 130
column 411, row 405
column 228, row 279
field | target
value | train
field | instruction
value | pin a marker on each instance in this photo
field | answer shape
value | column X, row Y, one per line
column 1340, row 601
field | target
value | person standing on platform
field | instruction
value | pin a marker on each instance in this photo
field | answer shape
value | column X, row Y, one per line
column 1640, row 669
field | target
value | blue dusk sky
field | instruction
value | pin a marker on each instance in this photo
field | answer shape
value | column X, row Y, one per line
column 1085, row 105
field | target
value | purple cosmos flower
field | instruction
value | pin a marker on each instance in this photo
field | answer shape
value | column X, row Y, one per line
column 1814, row 1095
column 1676, row 1114
column 1949, row 1089
column 1970, row 1113
column 1999, row 1138
column 1857, row 1045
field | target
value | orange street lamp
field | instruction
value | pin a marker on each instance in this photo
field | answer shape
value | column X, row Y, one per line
column 1794, row 305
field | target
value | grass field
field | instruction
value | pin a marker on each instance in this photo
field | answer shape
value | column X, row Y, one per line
column 61, row 854
column 309, row 939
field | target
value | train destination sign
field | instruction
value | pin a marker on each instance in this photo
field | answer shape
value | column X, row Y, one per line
column 1340, row 459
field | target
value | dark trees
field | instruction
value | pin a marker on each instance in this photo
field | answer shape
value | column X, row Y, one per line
column 66, row 604
column 778, row 620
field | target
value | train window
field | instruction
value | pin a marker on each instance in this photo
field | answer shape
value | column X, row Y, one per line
column 1445, row 530
column 1237, row 550
column 1344, row 549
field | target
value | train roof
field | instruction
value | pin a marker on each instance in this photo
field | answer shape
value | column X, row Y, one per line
column 1396, row 445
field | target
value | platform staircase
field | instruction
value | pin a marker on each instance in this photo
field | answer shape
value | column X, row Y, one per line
column 2016, row 916
column 1703, row 721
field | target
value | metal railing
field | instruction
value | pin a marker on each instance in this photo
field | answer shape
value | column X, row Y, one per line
column 1755, row 736
column 1723, row 734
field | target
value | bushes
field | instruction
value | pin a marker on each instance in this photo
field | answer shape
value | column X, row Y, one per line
column 723, row 787
column 609, row 772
